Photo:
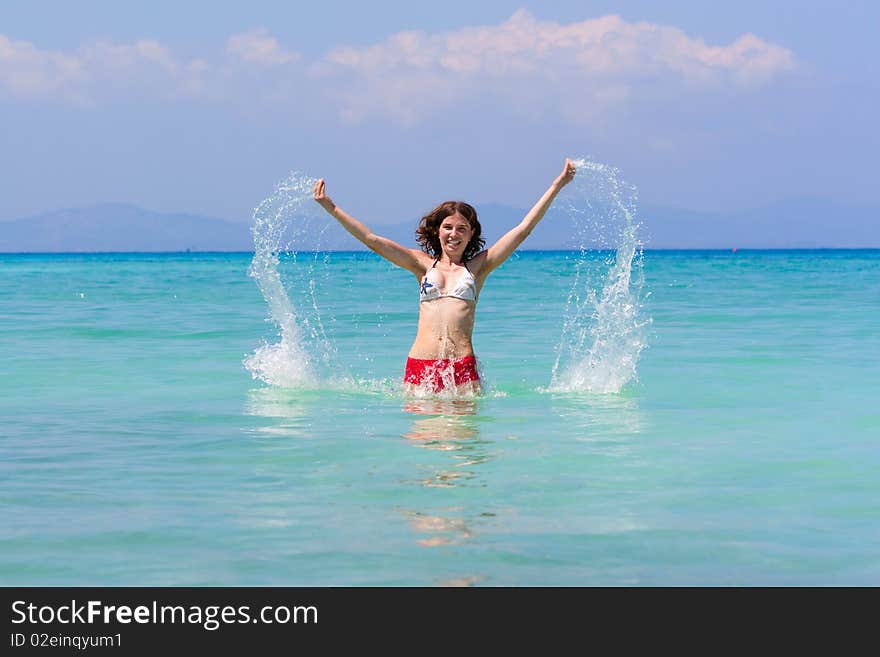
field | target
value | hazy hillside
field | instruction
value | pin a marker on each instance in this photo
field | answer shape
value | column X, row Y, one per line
column 793, row 223
column 121, row 228
column 797, row 223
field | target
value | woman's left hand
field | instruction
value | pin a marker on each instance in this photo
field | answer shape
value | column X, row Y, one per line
column 567, row 174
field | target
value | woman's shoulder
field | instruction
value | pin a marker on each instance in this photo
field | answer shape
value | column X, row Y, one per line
column 425, row 261
column 476, row 263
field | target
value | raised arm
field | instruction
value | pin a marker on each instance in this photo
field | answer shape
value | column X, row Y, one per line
column 409, row 259
column 508, row 243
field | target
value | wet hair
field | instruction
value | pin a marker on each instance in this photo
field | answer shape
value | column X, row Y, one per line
column 428, row 232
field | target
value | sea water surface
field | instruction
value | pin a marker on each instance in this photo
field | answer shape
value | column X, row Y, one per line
column 137, row 448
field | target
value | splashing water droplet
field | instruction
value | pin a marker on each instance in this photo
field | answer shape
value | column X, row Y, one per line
column 604, row 329
column 289, row 363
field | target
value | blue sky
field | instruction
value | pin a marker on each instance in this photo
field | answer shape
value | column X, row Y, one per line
column 201, row 107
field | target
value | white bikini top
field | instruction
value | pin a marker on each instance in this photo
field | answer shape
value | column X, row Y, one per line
column 465, row 289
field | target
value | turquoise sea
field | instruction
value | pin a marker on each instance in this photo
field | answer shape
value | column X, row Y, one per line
column 137, row 448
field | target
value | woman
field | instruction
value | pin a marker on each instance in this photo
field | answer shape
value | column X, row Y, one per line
column 451, row 270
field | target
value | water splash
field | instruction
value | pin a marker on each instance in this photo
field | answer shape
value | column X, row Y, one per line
column 604, row 329
column 278, row 221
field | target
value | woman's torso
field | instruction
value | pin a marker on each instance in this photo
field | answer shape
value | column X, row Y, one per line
column 447, row 306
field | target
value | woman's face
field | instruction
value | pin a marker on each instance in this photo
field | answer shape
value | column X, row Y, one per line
column 455, row 234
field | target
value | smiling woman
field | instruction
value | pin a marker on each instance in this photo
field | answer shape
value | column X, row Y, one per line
column 451, row 269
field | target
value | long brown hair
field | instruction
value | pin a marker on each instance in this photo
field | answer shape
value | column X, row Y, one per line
column 428, row 232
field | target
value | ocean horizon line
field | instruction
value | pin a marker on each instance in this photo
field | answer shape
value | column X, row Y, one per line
column 669, row 250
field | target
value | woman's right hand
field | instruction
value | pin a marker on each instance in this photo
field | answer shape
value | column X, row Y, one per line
column 321, row 197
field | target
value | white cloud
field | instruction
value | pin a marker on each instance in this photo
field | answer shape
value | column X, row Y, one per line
column 259, row 47
column 96, row 71
column 597, row 64
column 577, row 71
column 26, row 71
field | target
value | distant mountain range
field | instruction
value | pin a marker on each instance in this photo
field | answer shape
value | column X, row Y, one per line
column 117, row 227
column 796, row 223
column 801, row 223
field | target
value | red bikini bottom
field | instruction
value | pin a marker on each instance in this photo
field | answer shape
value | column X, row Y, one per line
column 439, row 374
